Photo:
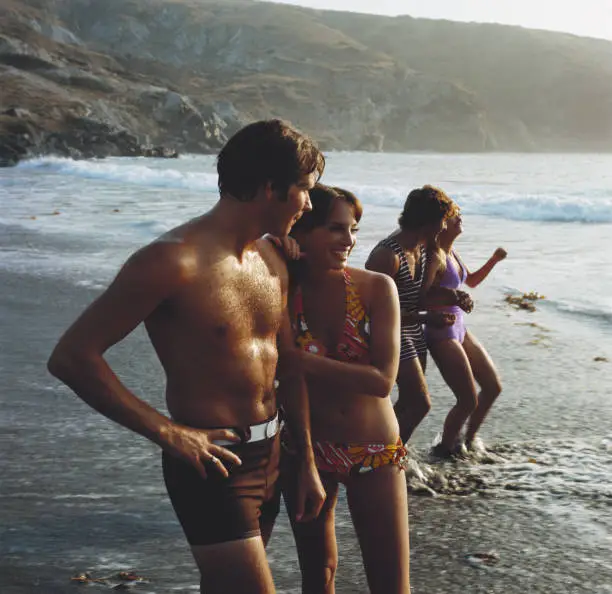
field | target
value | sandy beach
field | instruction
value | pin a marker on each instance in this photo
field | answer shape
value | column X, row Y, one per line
column 81, row 494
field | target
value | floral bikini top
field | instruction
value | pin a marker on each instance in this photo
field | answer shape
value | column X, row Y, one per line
column 354, row 345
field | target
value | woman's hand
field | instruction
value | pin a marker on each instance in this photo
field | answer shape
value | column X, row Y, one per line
column 464, row 301
column 439, row 319
column 290, row 247
column 499, row 254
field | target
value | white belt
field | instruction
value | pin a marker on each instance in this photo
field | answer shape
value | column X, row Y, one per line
column 259, row 432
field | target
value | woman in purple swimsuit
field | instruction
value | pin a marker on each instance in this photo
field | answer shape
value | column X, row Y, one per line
column 461, row 359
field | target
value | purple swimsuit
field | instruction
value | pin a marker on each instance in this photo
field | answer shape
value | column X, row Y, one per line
column 450, row 280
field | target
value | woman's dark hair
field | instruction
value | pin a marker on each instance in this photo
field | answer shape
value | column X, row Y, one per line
column 266, row 151
column 426, row 206
column 323, row 198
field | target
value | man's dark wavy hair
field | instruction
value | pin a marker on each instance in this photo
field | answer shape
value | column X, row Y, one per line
column 266, row 151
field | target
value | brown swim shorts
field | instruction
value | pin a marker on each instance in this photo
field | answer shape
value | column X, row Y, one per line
column 218, row 509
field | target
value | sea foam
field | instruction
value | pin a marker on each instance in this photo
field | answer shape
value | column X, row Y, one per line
column 494, row 200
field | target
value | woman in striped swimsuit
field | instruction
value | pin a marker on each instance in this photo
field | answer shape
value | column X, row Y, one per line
column 404, row 256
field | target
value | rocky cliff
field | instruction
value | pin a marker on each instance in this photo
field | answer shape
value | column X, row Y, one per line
column 88, row 78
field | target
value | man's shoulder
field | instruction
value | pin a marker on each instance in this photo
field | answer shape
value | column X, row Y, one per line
column 196, row 241
column 272, row 254
column 167, row 256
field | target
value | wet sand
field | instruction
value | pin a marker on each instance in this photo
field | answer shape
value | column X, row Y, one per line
column 79, row 493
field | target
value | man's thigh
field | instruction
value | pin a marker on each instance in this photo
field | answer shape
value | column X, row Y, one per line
column 219, row 510
column 236, row 566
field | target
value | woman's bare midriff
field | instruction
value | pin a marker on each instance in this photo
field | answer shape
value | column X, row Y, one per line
column 351, row 418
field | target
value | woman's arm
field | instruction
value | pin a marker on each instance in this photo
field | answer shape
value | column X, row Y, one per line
column 377, row 378
column 436, row 296
column 432, row 294
column 475, row 278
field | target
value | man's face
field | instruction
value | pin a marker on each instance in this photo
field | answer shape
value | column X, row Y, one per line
column 290, row 208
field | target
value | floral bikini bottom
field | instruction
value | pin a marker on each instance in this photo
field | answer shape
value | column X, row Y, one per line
column 351, row 459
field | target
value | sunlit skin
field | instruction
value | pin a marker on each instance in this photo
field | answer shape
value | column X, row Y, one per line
column 212, row 297
column 327, row 250
column 349, row 402
column 414, row 401
column 463, row 365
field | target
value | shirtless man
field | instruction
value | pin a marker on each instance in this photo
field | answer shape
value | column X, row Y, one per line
column 213, row 300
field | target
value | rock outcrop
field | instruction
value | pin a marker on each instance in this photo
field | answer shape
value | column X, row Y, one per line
column 86, row 78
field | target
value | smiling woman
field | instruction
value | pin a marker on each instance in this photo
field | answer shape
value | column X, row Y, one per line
column 346, row 323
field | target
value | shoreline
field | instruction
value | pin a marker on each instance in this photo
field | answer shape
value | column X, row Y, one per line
column 80, row 493
column 72, row 467
column 10, row 158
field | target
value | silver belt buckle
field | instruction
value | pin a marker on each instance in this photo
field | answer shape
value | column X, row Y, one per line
column 271, row 428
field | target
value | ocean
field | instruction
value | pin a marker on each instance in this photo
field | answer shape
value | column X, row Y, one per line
column 78, row 493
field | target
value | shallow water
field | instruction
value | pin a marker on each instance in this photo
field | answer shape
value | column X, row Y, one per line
column 78, row 493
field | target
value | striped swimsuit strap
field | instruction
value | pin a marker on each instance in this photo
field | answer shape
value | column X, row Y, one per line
column 408, row 286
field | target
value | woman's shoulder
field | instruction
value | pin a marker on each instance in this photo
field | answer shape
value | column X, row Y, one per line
column 437, row 256
column 384, row 258
column 390, row 243
column 371, row 285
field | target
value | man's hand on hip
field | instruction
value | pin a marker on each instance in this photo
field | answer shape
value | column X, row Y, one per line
column 197, row 447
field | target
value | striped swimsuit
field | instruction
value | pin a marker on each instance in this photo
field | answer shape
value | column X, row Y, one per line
column 413, row 342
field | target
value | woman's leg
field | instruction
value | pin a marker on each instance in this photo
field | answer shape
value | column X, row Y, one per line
column 316, row 540
column 488, row 379
column 378, row 502
column 413, row 402
column 455, row 368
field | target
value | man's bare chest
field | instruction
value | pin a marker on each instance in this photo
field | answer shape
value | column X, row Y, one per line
column 244, row 303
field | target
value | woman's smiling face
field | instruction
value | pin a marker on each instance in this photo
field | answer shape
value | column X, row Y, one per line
column 328, row 246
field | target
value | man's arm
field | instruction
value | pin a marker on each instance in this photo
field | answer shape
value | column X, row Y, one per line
column 293, row 397
column 292, row 394
column 148, row 278
column 377, row 378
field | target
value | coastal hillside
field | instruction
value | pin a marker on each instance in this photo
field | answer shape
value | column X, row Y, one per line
column 541, row 90
column 92, row 78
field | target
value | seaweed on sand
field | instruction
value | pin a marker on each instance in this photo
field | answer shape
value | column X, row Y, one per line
column 524, row 301
column 117, row 581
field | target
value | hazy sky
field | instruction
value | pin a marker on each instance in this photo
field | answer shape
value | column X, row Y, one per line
column 591, row 18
